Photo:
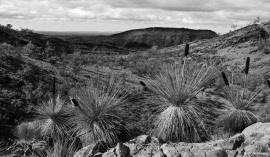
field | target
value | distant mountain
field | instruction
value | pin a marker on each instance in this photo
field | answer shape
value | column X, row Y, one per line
column 157, row 36
column 139, row 39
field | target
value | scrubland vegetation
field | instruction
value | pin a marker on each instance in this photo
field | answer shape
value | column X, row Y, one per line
column 180, row 99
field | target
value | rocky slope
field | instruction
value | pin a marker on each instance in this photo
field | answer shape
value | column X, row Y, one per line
column 233, row 48
column 252, row 142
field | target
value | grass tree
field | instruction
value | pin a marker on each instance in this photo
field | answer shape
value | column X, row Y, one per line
column 99, row 111
column 54, row 116
column 240, row 102
column 173, row 100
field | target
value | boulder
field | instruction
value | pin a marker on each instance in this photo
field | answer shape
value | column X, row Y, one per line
column 257, row 139
column 263, row 128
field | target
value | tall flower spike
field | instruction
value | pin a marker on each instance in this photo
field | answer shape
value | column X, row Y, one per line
column 268, row 83
column 225, row 79
column 54, row 90
column 186, row 50
column 247, row 65
column 142, row 83
column 75, row 103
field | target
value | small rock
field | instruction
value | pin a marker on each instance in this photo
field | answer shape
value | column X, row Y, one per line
column 98, row 155
column 216, row 153
column 121, row 150
column 92, row 149
column 142, row 139
column 110, row 153
column 158, row 141
column 232, row 153
column 232, row 143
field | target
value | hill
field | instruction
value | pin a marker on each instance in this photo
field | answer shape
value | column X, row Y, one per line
column 233, row 48
column 158, row 36
column 22, row 38
column 140, row 39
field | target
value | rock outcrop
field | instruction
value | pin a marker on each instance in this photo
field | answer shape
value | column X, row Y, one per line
column 254, row 141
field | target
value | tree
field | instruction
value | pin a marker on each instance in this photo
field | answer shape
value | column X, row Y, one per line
column 233, row 26
column 257, row 20
column 8, row 26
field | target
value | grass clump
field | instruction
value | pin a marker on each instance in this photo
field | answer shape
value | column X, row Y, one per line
column 173, row 101
column 99, row 113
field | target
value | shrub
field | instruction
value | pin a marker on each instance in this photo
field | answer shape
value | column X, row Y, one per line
column 173, row 99
column 99, row 111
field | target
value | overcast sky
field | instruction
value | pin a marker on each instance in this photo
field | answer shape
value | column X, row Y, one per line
column 121, row 15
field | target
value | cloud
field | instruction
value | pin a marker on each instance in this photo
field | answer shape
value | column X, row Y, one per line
column 212, row 14
column 192, row 5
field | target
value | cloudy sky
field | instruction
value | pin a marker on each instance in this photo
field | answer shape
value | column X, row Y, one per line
column 121, row 15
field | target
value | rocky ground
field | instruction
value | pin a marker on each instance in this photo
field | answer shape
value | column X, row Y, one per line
column 254, row 141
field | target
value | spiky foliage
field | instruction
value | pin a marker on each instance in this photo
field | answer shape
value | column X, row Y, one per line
column 26, row 147
column 239, row 114
column 55, row 117
column 99, row 111
column 63, row 147
column 28, row 130
column 174, row 92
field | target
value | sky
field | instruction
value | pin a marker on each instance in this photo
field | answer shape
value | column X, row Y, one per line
column 122, row 15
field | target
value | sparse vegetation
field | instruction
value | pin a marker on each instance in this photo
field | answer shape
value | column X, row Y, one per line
column 178, row 97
